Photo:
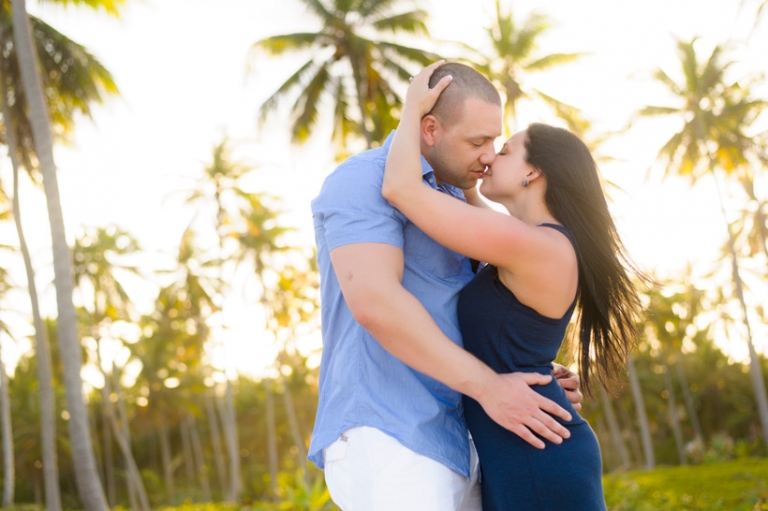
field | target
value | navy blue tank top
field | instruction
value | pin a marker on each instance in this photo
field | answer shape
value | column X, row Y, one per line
column 504, row 333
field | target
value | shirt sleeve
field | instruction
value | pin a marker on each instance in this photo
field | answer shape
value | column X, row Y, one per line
column 351, row 209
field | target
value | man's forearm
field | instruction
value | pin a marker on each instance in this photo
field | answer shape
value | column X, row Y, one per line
column 405, row 329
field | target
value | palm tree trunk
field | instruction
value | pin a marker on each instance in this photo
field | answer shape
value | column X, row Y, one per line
column 134, row 475
column 9, row 473
column 197, row 451
column 109, row 459
column 636, row 450
column 642, row 415
column 298, row 440
column 136, row 492
column 218, row 455
column 189, row 467
column 108, row 454
column 271, row 437
column 95, row 428
column 688, row 398
column 608, row 455
column 227, row 412
column 674, row 419
column 227, row 407
column 42, row 349
column 86, row 474
column 755, row 370
column 615, row 429
column 165, row 455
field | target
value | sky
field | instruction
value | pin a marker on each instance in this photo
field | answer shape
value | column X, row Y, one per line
column 188, row 78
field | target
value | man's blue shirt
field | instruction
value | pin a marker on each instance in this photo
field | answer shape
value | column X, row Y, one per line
column 361, row 384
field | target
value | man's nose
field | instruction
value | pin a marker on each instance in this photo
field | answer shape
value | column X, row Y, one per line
column 488, row 156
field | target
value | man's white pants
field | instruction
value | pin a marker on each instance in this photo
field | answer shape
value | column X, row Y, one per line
column 367, row 470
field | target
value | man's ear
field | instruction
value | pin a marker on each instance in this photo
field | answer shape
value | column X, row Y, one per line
column 430, row 127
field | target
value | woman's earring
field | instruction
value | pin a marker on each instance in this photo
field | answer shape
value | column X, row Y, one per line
column 525, row 183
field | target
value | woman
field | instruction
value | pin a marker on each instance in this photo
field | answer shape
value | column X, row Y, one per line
column 556, row 251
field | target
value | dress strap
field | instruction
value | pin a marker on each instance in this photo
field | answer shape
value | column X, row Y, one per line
column 561, row 229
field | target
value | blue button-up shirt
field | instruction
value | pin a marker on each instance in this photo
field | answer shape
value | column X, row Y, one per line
column 361, row 384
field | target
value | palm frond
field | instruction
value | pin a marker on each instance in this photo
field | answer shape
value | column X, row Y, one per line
column 572, row 116
column 555, row 59
column 306, row 107
column 72, row 81
column 525, row 42
column 661, row 76
column 395, row 69
column 295, row 79
column 343, row 125
column 279, row 44
column 408, row 53
column 109, row 6
column 413, row 22
column 369, row 9
column 653, row 111
column 319, row 9
column 713, row 73
column 689, row 64
column 74, row 77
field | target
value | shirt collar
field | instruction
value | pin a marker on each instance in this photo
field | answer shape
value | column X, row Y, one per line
column 426, row 168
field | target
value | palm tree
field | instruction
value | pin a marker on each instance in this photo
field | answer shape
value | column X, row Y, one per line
column 713, row 141
column 752, row 226
column 514, row 55
column 354, row 63
column 173, row 346
column 642, row 415
column 87, row 477
column 9, row 474
column 73, row 81
column 219, row 187
column 615, row 429
column 45, row 374
column 260, row 240
column 672, row 320
column 97, row 253
column 293, row 303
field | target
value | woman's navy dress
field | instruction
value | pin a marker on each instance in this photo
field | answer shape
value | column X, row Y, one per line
column 510, row 337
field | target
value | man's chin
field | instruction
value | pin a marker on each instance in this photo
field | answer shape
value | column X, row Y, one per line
column 468, row 185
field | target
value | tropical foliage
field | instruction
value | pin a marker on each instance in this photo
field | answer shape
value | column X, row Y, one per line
column 514, row 57
column 358, row 72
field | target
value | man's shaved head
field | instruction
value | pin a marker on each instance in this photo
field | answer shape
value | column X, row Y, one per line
column 466, row 83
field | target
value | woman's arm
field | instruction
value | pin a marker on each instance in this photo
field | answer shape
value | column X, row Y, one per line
column 474, row 198
column 480, row 233
column 403, row 169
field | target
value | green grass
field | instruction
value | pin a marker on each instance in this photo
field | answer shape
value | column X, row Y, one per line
column 728, row 486
column 724, row 486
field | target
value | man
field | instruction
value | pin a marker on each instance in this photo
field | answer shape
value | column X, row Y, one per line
column 389, row 431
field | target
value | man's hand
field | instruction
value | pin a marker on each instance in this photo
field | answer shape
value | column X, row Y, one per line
column 515, row 406
column 570, row 382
